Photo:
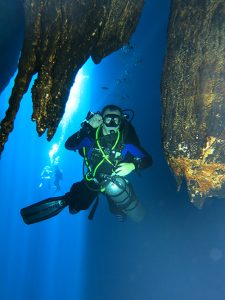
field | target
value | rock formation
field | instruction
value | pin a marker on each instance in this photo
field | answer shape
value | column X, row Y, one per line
column 193, row 97
column 60, row 35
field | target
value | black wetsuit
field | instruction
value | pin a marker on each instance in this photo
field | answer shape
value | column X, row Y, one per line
column 126, row 149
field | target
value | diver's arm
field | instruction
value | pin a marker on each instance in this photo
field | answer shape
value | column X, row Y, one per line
column 139, row 160
column 138, row 156
column 88, row 128
column 85, row 134
column 80, row 138
column 71, row 141
column 142, row 162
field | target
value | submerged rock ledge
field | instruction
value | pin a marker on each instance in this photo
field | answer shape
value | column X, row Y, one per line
column 60, row 36
column 193, row 97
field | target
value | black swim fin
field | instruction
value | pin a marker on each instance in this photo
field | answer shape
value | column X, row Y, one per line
column 43, row 210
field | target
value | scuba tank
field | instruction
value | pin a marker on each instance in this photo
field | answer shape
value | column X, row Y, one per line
column 120, row 192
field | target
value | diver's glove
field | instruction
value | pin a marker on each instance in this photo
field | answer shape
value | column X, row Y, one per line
column 95, row 121
column 124, row 169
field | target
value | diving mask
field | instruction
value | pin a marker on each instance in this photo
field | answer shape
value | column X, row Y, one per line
column 112, row 120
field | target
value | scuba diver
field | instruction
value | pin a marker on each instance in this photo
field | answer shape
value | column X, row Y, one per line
column 111, row 150
column 58, row 176
column 46, row 176
column 51, row 177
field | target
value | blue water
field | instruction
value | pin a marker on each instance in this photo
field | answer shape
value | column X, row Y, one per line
column 176, row 253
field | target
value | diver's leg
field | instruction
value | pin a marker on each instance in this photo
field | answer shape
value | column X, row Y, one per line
column 80, row 197
column 43, row 210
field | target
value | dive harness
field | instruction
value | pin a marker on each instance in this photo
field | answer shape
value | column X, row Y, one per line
column 91, row 174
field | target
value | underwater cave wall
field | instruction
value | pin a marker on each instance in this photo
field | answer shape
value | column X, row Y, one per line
column 193, row 97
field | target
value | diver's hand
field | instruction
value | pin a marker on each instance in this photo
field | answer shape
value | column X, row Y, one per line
column 124, row 169
column 95, row 121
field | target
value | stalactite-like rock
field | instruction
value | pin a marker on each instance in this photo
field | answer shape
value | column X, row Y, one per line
column 193, row 97
column 60, row 36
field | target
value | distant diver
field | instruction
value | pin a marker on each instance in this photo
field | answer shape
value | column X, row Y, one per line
column 58, row 176
column 46, row 177
column 111, row 150
column 51, row 177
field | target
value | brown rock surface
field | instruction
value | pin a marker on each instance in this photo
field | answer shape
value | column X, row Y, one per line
column 193, row 97
column 60, row 36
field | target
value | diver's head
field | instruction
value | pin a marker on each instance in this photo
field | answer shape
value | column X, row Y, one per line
column 112, row 116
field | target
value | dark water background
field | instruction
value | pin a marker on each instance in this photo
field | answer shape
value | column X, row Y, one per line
column 176, row 253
